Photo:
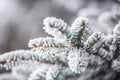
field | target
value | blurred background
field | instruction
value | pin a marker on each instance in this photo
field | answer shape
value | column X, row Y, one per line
column 22, row 20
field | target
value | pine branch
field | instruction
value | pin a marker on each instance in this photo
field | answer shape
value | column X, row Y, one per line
column 78, row 60
column 19, row 57
column 56, row 27
column 94, row 42
column 23, row 71
column 40, row 72
column 70, row 48
column 48, row 42
column 53, row 72
column 117, row 33
column 79, row 31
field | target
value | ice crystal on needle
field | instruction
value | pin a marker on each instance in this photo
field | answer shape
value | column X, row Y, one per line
column 71, row 47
